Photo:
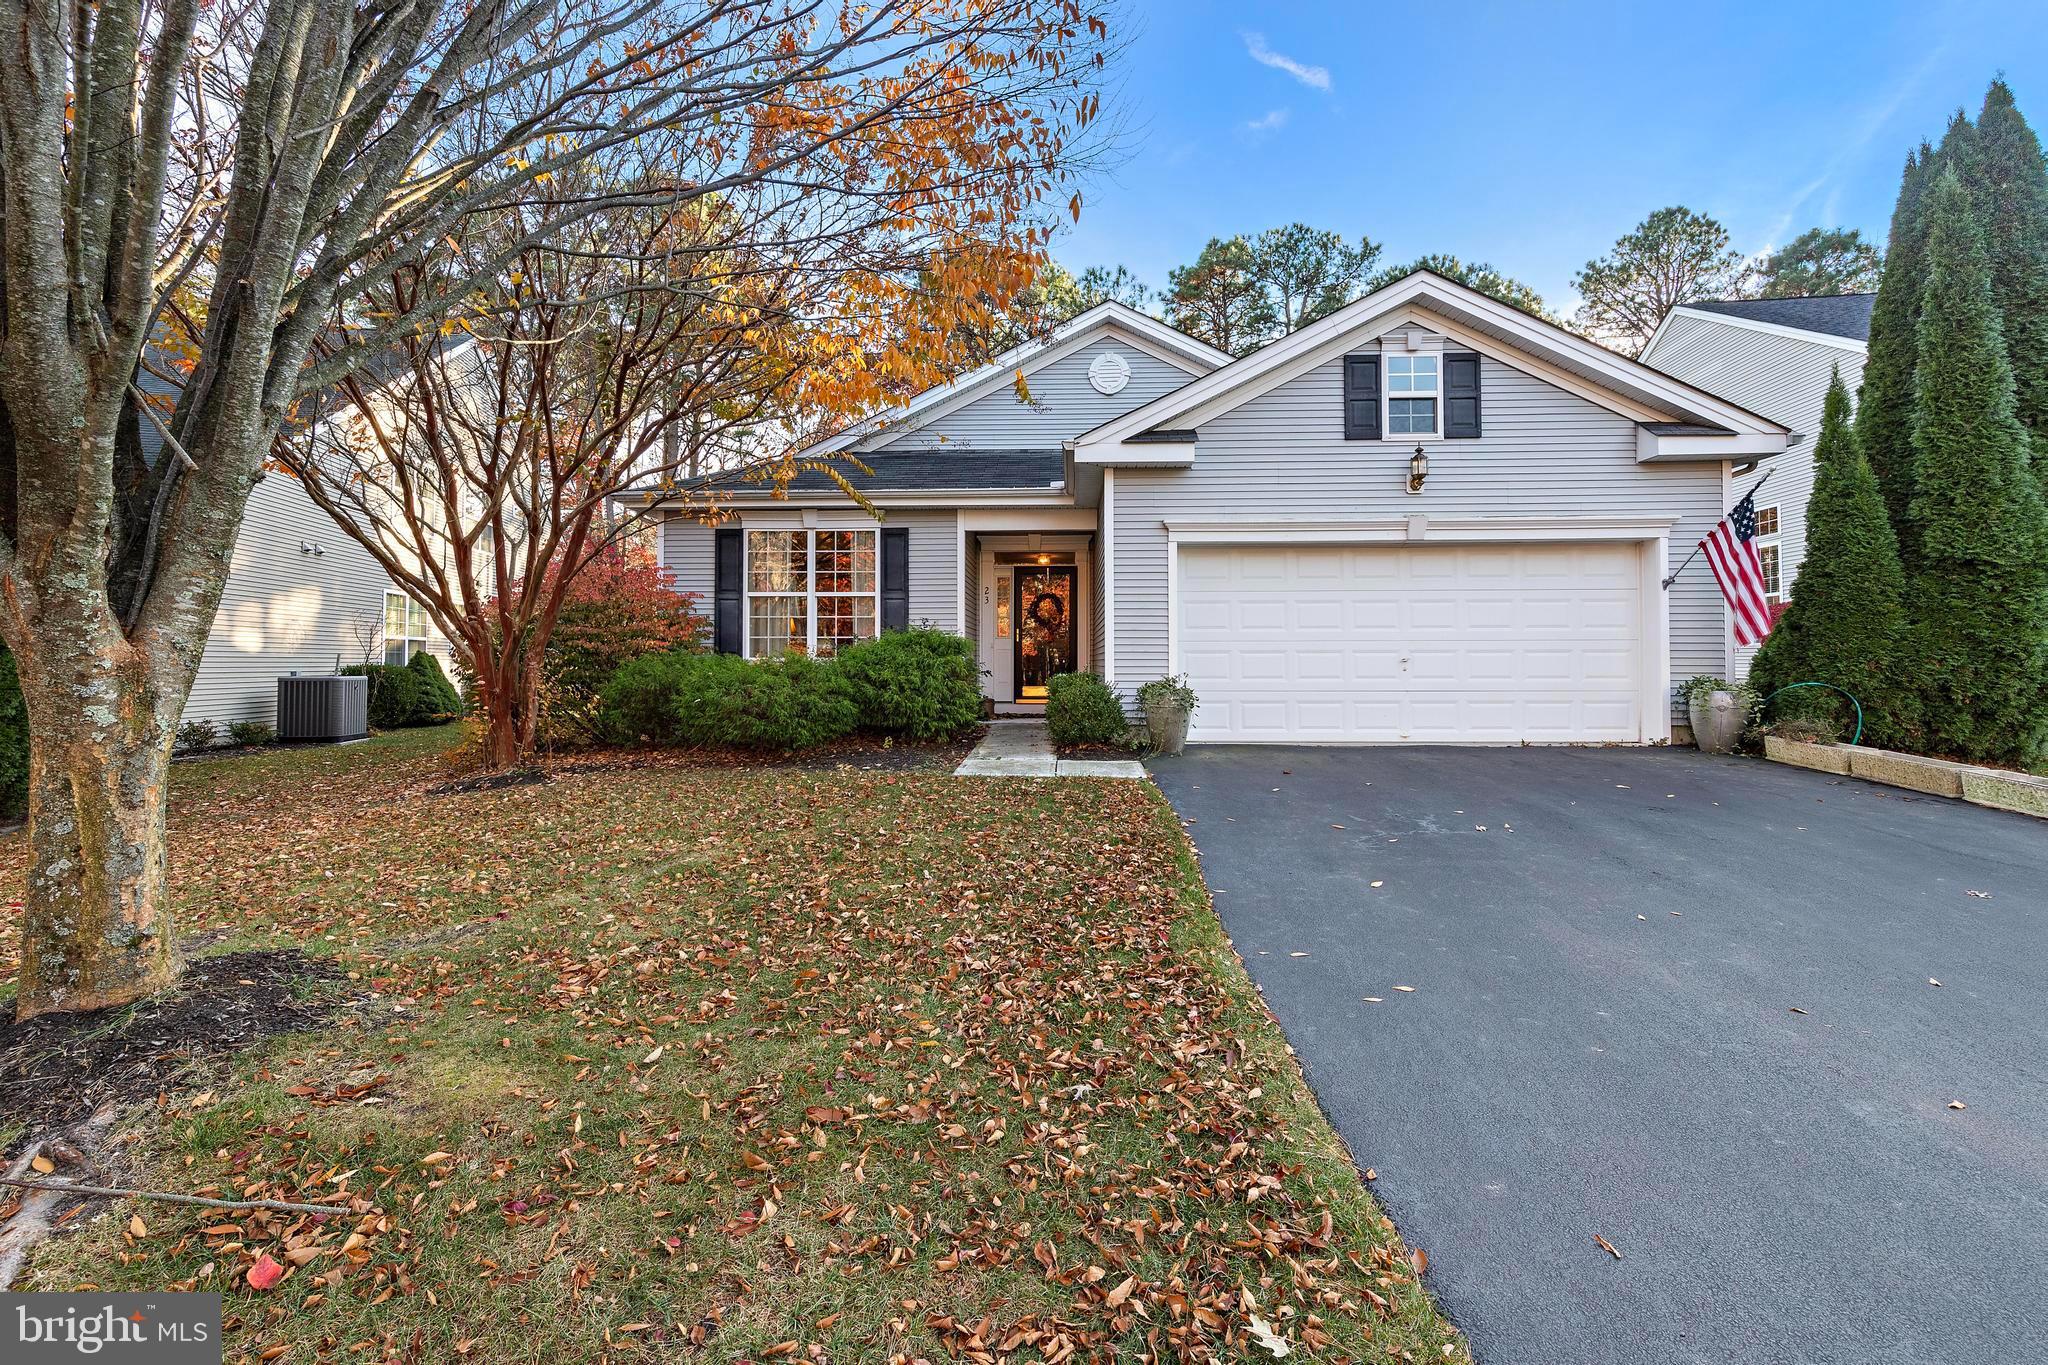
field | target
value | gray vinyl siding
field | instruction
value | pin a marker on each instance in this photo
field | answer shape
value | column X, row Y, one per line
column 1785, row 378
column 1063, row 405
column 934, row 566
column 686, row 552
column 286, row 610
column 1544, row 452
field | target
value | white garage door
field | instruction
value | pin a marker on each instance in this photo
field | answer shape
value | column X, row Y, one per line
column 1413, row 644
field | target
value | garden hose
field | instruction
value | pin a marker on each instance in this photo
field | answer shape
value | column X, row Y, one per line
column 1857, row 738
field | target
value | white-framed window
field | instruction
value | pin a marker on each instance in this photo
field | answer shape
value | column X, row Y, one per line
column 1414, row 393
column 405, row 628
column 1767, row 550
column 811, row 591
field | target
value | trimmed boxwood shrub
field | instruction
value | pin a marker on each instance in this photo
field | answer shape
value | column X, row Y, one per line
column 721, row 699
column 793, row 702
column 437, row 695
column 1080, row 709
column 917, row 684
column 416, row 693
column 638, row 705
column 394, row 694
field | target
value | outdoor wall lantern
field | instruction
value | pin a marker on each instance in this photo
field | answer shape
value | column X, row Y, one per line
column 1418, row 470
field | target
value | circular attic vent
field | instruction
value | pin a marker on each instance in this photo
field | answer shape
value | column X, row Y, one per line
column 1109, row 372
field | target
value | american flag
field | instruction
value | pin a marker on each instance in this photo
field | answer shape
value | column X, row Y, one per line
column 1731, row 553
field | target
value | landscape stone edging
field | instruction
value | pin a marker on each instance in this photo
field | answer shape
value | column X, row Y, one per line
column 1821, row 758
column 1993, row 787
column 2007, row 791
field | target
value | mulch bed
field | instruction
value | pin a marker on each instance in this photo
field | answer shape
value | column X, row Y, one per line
column 1112, row 752
column 58, row 1069
column 859, row 753
column 490, row 782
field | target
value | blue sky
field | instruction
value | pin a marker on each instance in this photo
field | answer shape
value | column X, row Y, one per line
column 1532, row 135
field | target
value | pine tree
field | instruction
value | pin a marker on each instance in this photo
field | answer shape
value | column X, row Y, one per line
column 1884, row 404
column 1980, row 581
column 1846, row 622
column 2008, row 186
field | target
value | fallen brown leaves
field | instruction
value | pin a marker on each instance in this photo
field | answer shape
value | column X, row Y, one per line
column 760, row 1065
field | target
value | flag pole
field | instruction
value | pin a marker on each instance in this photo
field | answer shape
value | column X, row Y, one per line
column 1696, row 549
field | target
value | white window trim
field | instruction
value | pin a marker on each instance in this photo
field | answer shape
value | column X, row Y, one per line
column 414, row 644
column 1775, row 540
column 1387, row 396
column 810, row 588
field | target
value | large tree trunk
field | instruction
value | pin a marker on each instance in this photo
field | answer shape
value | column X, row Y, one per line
column 104, row 698
column 508, row 695
column 96, row 923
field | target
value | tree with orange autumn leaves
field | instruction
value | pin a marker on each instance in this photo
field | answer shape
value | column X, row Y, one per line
column 278, row 194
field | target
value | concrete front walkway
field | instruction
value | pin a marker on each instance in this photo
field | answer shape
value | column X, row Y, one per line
column 1023, row 748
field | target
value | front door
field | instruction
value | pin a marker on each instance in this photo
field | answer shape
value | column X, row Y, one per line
column 1044, row 613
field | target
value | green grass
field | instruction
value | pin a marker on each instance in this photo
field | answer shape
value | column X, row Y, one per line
column 676, row 1063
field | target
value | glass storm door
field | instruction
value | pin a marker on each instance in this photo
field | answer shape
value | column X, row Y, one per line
column 1044, row 614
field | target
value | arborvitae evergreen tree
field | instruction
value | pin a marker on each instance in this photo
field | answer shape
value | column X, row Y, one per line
column 1884, row 405
column 1846, row 622
column 1980, row 578
column 2007, row 182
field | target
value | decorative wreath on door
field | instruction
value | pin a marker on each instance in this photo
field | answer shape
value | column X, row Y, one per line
column 1049, row 611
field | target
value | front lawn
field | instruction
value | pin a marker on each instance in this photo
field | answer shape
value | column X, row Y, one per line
column 670, row 1062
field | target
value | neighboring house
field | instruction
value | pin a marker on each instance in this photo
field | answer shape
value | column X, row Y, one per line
column 300, row 597
column 1773, row 356
column 1428, row 517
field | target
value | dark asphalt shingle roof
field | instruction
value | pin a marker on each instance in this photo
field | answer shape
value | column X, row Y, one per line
column 1684, row 429
column 1837, row 315
column 913, row 470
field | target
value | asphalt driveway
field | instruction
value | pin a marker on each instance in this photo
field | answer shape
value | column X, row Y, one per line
column 1681, row 1002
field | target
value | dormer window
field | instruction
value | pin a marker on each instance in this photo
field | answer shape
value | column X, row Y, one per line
column 1412, row 392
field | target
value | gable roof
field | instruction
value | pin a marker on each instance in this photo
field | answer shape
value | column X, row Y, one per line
column 1109, row 317
column 1835, row 315
column 1645, row 395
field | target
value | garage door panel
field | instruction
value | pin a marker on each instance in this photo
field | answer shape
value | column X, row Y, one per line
column 1471, row 644
column 1314, row 666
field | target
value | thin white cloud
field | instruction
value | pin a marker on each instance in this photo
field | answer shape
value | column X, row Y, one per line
column 1269, row 121
column 1316, row 77
column 1873, row 120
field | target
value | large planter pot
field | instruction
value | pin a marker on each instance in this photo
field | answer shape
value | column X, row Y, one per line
column 1167, row 725
column 1717, row 722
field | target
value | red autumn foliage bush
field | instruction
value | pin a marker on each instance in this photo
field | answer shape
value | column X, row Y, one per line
column 616, row 608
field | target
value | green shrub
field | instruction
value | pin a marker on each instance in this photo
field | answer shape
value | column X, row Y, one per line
column 438, row 698
column 793, row 702
column 13, row 741
column 417, row 693
column 1080, row 709
column 248, row 732
column 197, row 734
column 394, row 695
column 638, row 705
column 919, row 684
column 1846, row 623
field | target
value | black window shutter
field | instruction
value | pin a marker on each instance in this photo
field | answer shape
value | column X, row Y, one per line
column 1361, row 398
column 896, row 578
column 1461, row 396
column 728, row 574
